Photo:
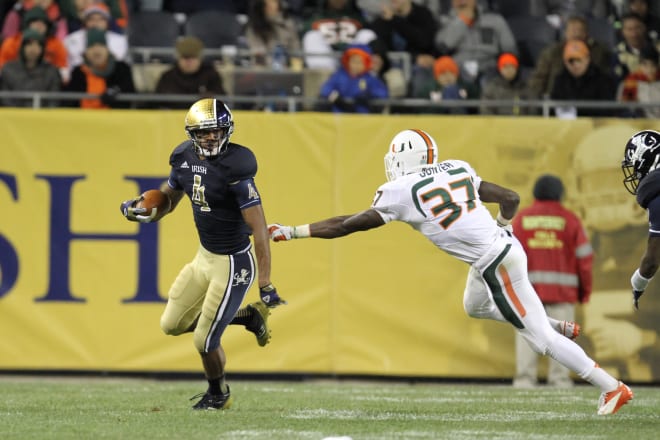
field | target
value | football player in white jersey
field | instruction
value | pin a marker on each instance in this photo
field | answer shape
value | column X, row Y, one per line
column 444, row 201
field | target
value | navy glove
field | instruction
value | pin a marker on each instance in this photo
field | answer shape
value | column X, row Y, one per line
column 636, row 295
column 270, row 297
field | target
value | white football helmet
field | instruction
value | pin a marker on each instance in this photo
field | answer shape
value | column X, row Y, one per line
column 409, row 151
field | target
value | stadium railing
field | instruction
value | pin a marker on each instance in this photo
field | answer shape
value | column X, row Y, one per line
column 231, row 55
column 541, row 107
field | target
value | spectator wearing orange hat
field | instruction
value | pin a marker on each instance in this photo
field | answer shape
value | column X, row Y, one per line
column 508, row 85
column 549, row 63
column 352, row 86
column 446, row 85
column 581, row 80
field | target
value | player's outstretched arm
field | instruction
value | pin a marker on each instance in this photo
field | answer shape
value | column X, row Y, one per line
column 333, row 227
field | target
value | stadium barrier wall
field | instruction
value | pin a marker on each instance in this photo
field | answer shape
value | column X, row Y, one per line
column 81, row 288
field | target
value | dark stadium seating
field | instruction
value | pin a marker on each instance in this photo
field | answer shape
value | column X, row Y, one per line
column 532, row 34
column 214, row 28
column 601, row 29
column 517, row 8
column 152, row 29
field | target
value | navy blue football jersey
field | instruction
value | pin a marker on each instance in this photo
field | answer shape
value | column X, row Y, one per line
column 648, row 197
column 218, row 188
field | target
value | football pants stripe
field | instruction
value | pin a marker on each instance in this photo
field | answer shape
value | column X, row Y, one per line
column 490, row 275
column 508, row 288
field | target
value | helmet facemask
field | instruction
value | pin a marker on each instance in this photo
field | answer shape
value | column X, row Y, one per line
column 630, row 177
column 209, row 142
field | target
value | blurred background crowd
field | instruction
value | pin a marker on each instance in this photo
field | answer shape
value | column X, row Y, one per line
column 348, row 55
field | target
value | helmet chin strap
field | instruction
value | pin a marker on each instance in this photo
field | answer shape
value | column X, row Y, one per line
column 215, row 151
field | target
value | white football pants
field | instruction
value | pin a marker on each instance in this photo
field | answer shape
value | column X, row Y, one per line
column 498, row 288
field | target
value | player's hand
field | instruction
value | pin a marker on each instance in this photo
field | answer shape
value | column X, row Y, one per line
column 279, row 232
column 636, row 295
column 134, row 214
column 270, row 297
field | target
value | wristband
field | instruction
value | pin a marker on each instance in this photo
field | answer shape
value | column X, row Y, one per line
column 638, row 281
column 301, row 231
column 501, row 221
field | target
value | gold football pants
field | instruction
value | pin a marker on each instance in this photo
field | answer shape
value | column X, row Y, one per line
column 209, row 290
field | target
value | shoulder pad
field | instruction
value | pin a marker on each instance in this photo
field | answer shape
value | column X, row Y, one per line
column 179, row 151
column 649, row 189
column 240, row 161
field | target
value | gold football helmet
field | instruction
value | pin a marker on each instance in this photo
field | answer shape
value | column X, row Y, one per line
column 209, row 124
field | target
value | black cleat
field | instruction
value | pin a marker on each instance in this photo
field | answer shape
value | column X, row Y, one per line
column 259, row 322
column 213, row 401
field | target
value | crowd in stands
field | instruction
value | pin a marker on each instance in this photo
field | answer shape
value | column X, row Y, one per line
column 487, row 50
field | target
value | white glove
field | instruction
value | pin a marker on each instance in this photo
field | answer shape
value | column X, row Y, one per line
column 279, row 232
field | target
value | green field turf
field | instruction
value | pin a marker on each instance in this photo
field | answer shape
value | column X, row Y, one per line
column 118, row 408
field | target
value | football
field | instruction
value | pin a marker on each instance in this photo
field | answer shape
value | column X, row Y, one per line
column 155, row 198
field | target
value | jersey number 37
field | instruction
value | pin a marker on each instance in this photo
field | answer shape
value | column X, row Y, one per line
column 449, row 199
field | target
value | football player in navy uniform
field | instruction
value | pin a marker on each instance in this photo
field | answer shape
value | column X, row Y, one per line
column 641, row 169
column 218, row 177
column 642, row 179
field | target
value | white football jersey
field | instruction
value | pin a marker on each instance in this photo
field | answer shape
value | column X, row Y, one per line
column 442, row 202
